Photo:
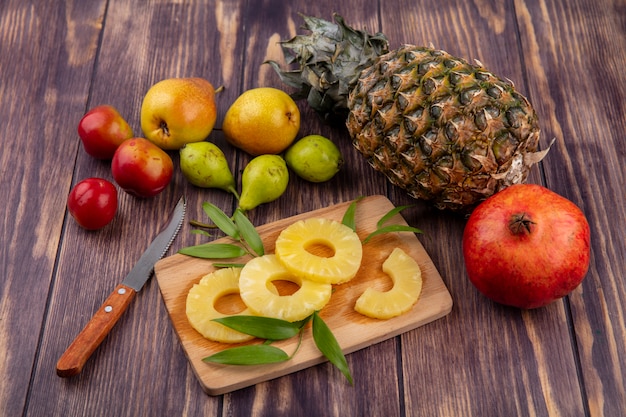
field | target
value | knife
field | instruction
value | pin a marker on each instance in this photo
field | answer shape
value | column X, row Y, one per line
column 77, row 354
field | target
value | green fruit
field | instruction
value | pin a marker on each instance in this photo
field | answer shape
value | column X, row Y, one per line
column 314, row 158
column 264, row 179
column 204, row 165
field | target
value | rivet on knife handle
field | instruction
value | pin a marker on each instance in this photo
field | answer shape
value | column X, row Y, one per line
column 77, row 354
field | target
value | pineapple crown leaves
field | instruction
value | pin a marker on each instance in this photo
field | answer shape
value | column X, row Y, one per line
column 329, row 61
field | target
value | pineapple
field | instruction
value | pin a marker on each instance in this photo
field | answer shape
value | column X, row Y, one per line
column 407, row 285
column 444, row 130
column 260, row 295
column 200, row 308
column 296, row 246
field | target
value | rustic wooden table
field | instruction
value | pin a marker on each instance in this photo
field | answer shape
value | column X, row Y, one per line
column 60, row 58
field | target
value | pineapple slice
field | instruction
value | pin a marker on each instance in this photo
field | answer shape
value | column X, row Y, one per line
column 295, row 247
column 201, row 301
column 258, row 292
column 407, row 285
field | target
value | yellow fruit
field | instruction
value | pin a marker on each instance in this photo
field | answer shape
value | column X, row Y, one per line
column 259, row 294
column 177, row 111
column 321, row 250
column 262, row 121
column 200, row 308
column 407, row 286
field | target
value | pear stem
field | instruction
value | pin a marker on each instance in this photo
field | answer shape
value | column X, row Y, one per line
column 233, row 191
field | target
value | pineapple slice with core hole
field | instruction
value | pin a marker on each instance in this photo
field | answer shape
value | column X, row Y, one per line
column 321, row 250
column 201, row 302
column 258, row 292
column 407, row 285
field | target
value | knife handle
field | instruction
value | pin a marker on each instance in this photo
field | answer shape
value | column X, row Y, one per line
column 77, row 354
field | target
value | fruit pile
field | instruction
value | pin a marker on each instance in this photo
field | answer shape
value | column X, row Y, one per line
column 179, row 114
column 314, row 254
column 447, row 131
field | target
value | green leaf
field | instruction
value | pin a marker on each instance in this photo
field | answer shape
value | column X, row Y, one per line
column 228, row 265
column 249, row 232
column 262, row 327
column 300, row 324
column 201, row 232
column 348, row 217
column 391, row 228
column 248, row 355
column 390, row 214
column 221, row 220
column 214, row 251
column 327, row 344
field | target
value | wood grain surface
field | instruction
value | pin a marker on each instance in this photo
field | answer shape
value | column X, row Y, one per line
column 60, row 58
column 178, row 273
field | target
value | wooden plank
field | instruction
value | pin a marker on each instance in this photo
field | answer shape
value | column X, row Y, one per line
column 266, row 23
column 177, row 274
column 142, row 44
column 565, row 57
column 529, row 359
column 573, row 52
column 46, row 60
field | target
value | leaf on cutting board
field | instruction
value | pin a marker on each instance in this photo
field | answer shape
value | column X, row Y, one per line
column 349, row 215
column 221, row 220
column 327, row 344
column 214, row 251
column 248, row 355
column 390, row 214
column 262, row 327
column 248, row 232
column 391, row 228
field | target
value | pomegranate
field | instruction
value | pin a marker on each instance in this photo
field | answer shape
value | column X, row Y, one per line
column 526, row 246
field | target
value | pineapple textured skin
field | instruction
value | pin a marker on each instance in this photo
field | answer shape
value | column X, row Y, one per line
column 443, row 129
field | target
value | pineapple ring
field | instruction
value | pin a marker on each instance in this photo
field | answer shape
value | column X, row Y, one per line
column 407, row 286
column 200, row 307
column 258, row 292
column 294, row 241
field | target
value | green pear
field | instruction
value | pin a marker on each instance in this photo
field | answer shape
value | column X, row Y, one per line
column 314, row 158
column 204, row 165
column 264, row 179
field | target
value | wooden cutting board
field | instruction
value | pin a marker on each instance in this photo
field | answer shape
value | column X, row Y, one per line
column 178, row 273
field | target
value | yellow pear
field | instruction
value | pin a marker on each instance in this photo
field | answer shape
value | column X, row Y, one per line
column 261, row 121
column 177, row 111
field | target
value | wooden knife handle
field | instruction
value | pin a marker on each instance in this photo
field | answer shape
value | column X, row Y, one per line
column 77, row 354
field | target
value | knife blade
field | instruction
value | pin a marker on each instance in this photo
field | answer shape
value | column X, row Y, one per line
column 76, row 355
